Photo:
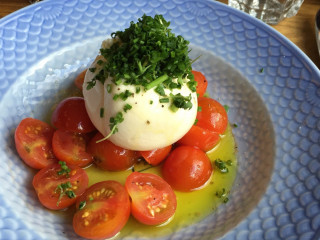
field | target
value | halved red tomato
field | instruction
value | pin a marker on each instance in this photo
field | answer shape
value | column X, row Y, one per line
column 71, row 115
column 33, row 143
column 153, row 200
column 102, row 211
column 58, row 186
column 71, row 147
column 80, row 79
column 187, row 168
column 154, row 157
column 201, row 138
column 212, row 115
column 202, row 82
column 109, row 156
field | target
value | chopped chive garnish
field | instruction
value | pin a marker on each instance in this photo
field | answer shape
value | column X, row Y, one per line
column 164, row 100
column 157, row 81
column 221, row 165
column 127, row 107
column 92, row 69
column 64, row 189
column 101, row 112
column 109, row 88
column 82, row 204
column 138, row 89
column 64, row 169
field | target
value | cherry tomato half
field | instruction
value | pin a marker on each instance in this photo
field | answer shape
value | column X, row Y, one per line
column 71, row 115
column 212, row 115
column 153, row 200
column 71, row 147
column 154, row 157
column 187, row 168
column 80, row 79
column 201, row 138
column 33, row 143
column 102, row 211
column 202, row 83
column 110, row 157
column 58, row 186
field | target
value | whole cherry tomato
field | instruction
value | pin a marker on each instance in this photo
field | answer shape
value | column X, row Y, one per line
column 212, row 115
column 187, row 168
column 201, row 138
column 202, row 82
column 156, row 156
column 71, row 115
column 80, row 79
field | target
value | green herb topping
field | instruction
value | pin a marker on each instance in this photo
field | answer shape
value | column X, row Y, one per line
column 127, row 107
column 101, row 112
column 65, row 170
column 222, row 165
column 82, row 204
column 65, row 189
column 147, row 55
column 223, row 195
column 179, row 101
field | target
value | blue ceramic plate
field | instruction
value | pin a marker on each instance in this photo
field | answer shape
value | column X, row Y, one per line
column 271, row 87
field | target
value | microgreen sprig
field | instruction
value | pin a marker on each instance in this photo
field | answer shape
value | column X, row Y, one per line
column 65, row 189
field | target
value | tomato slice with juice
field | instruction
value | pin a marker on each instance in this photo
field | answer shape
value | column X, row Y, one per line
column 71, row 148
column 152, row 199
column 33, row 140
column 58, row 186
column 108, row 156
column 102, row 211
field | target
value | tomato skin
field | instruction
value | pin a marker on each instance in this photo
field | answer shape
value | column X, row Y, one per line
column 108, row 156
column 106, row 211
column 202, row 82
column 187, row 168
column 200, row 138
column 212, row 115
column 153, row 200
column 33, row 139
column 80, row 79
column 71, row 148
column 156, row 156
column 71, row 115
column 46, row 181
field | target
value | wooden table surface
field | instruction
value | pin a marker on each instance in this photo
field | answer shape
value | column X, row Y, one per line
column 299, row 29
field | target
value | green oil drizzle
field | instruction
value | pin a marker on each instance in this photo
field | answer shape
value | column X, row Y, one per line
column 192, row 207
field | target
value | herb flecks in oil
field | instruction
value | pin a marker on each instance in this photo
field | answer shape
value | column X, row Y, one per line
column 222, row 166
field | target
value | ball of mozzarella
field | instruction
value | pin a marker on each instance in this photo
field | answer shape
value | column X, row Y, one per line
column 148, row 125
